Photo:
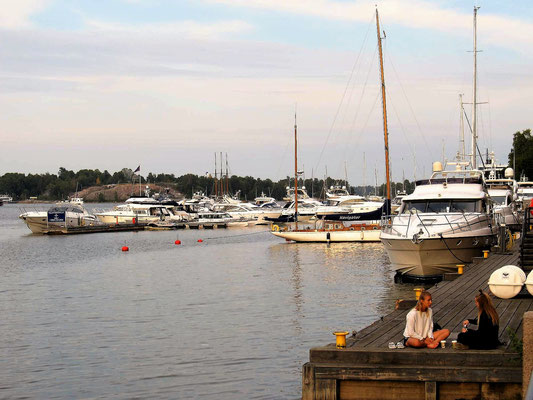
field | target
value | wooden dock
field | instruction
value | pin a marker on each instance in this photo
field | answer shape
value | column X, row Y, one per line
column 368, row 369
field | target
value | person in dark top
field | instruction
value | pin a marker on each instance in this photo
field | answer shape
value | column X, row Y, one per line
column 486, row 336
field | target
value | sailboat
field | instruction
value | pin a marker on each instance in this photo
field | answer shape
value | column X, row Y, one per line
column 360, row 225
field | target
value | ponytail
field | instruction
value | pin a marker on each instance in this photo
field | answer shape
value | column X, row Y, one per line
column 485, row 305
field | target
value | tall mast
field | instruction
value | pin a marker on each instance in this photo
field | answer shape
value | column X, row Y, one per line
column 221, row 179
column 462, row 128
column 295, row 173
column 227, row 174
column 216, row 185
column 474, row 97
column 384, row 103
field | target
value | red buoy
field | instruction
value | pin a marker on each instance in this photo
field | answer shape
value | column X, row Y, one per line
column 200, row 240
column 177, row 242
column 125, row 248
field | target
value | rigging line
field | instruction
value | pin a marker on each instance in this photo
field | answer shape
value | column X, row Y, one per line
column 344, row 94
column 410, row 107
column 352, row 127
column 401, row 125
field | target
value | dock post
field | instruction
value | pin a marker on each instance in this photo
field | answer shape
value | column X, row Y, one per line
column 527, row 362
column 431, row 390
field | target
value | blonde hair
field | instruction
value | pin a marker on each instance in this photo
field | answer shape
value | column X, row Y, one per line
column 425, row 294
column 484, row 304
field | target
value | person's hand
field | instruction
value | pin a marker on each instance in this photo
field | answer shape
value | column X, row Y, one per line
column 463, row 330
column 465, row 322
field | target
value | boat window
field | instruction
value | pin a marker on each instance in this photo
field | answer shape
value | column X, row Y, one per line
column 498, row 199
column 438, row 206
column 414, row 206
column 466, row 205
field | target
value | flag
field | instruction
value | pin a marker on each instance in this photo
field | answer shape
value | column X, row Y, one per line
column 137, row 169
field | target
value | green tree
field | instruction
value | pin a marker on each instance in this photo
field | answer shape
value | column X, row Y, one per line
column 523, row 145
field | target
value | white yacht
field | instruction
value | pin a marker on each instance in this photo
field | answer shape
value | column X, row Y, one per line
column 302, row 194
column 4, row 198
column 130, row 213
column 446, row 221
column 336, row 192
column 524, row 192
column 59, row 218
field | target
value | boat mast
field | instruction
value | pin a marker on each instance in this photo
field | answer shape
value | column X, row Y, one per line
column 295, row 173
column 221, row 178
column 227, row 174
column 384, row 103
column 462, row 128
column 216, row 185
column 474, row 97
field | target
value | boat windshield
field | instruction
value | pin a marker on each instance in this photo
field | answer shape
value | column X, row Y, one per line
column 440, row 206
column 499, row 199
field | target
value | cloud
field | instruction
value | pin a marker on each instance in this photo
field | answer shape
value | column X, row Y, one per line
column 189, row 29
column 505, row 31
column 15, row 14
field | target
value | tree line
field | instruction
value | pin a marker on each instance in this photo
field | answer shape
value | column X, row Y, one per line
column 66, row 183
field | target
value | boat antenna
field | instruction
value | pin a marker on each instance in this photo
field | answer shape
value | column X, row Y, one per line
column 384, row 103
column 295, row 171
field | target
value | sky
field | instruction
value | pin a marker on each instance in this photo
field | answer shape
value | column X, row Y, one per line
column 108, row 84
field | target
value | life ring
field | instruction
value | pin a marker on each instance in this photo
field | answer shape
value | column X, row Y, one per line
column 275, row 228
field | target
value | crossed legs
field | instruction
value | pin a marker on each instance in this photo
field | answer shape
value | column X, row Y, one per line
column 428, row 342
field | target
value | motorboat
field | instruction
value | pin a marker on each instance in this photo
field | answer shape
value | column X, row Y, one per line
column 397, row 201
column 307, row 209
column 130, row 213
column 302, row 194
column 524, row 192
column 59, row 218
column 336, row 192
column 4, row 198
column 263, row 199
column 446, row 221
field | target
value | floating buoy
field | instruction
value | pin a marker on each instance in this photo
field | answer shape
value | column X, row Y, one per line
column 200, row 240
column 177, row 242
column 125, row 248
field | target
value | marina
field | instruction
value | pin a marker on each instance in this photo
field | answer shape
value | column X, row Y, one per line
column 284, row 275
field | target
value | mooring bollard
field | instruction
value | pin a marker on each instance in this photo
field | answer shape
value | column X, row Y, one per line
column 485, row 253
column 418, row 291
column 341, row 339
column 460, row 268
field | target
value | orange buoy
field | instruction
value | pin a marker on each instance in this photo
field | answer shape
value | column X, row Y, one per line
column 125, row 248
column 200, row 240
column 177, row 242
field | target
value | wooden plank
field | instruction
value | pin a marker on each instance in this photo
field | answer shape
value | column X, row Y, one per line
column 383, row 390
column 453, row 391
column 423, row 373
column 326, row 389
column 308, row 382
column 430, row 390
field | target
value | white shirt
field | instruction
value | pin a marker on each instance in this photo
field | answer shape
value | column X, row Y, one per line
column 419, row 325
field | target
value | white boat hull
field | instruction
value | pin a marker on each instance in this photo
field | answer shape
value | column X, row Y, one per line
column 330, row 236
column 433, row 257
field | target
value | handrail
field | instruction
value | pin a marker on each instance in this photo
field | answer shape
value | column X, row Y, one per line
column 422, row 222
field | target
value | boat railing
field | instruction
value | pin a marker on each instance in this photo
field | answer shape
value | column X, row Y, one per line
column 393, row 224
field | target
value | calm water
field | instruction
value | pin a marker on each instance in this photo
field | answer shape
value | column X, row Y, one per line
column 230, row 318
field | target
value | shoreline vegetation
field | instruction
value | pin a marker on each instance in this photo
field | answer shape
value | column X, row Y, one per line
column 100, row 187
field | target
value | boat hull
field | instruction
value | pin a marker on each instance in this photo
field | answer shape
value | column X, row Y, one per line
column 330, row 236
column 433, row 257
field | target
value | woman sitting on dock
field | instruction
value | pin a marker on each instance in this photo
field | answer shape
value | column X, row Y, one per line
column 486, row 336
column 419, row 327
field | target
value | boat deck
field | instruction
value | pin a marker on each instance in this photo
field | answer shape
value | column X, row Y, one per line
column 368, row 369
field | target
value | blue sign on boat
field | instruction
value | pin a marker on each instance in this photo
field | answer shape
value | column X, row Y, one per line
column 54, row 216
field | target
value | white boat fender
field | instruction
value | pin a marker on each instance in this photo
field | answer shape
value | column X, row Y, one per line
column 529, row 283
column 507, row 281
